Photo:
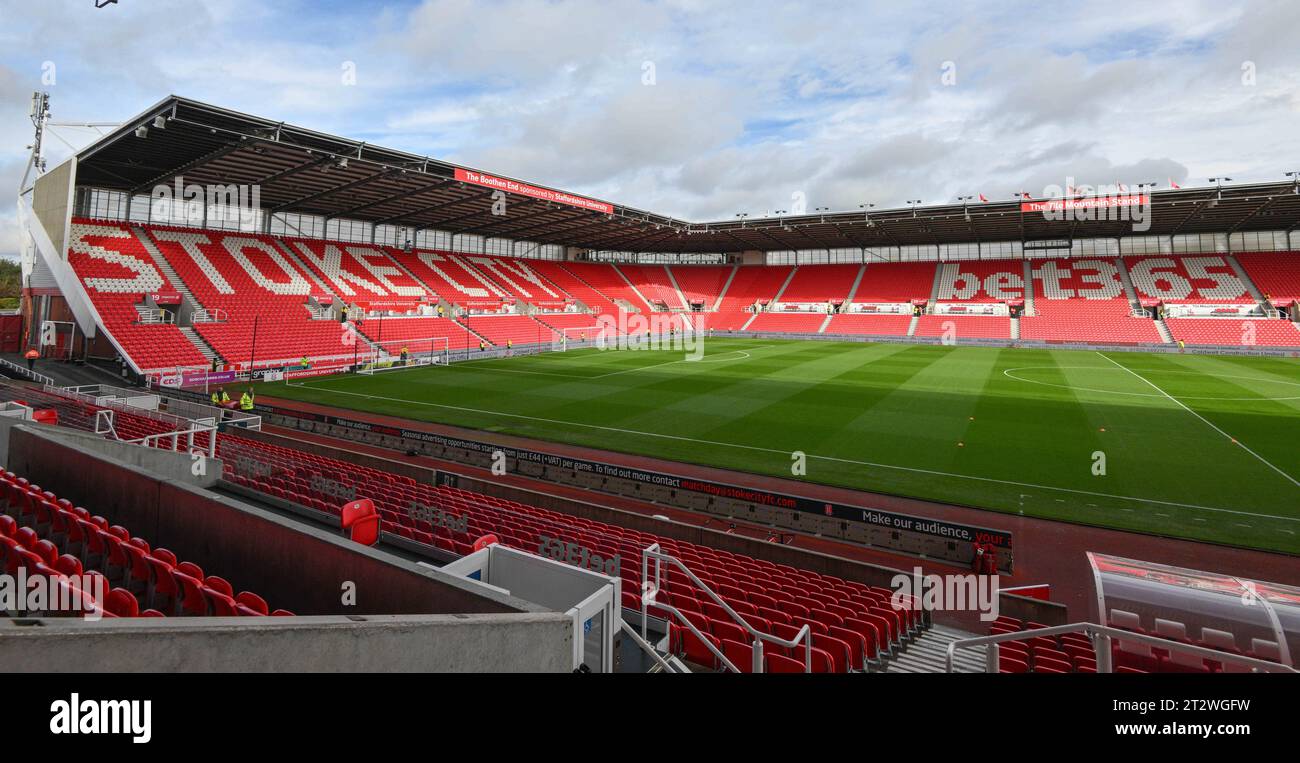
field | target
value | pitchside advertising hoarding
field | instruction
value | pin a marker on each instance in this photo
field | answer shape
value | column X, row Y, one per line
column 523, row 189
column 894, row 521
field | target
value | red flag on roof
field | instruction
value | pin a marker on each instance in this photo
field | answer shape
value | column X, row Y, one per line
column 1025, row 195
column 1172, row 184
column 983, row 197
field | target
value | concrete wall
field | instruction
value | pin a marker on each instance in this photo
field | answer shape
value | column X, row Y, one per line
column 293, row 566
column 173, row 466
column 406, row 644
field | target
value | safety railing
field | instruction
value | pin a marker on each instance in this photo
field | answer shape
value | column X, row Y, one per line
column 26, row 372
column 650, row 592
column 153, row 440
column 647, row 647
column 154, row 316
column 209, row 315
column 1101, row 636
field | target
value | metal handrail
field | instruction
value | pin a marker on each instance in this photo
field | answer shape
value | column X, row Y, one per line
column 649, row 595
column 646, row 647
column 1098, row 633
column 35, row 376
column 149, row 440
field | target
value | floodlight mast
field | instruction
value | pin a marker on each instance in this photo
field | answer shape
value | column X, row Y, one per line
column 40, row 114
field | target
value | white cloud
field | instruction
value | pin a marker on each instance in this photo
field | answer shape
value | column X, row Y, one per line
column 752, row 100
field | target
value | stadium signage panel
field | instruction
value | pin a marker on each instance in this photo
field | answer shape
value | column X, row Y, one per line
column 1090, row 202
column 891, row 520
column 523, row 189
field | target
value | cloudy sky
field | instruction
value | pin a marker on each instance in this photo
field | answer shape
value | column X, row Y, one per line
column 701, row 109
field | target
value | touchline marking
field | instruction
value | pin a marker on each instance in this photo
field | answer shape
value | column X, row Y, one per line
column 1208, row 423
column 812, row 456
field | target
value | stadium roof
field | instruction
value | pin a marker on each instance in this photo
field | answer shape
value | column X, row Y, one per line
column 300, row 170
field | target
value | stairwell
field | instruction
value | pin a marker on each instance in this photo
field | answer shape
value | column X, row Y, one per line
column 853, row 290
column 1129, row 291
column 927, row 653
column 482, row 338
column 1015, row 328
column 649, row 307
column 289, row 252
column 628, row 306
column 1029, row 289
column 192, row 304
column 723, row 293
column 911, row 327
column 788, row 279
column 412, row 276
column 826, row 323
column 677, row 288
column 1165, row 335
column 201, row 344
column 165, row 267
column 1251, row 289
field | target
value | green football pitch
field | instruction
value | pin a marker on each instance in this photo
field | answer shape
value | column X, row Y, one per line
column 1192, row 446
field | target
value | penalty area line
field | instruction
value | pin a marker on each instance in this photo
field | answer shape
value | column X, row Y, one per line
column 1206, row 421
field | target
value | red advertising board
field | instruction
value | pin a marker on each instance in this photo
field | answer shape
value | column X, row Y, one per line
column 523, row 189
column 1087, row 202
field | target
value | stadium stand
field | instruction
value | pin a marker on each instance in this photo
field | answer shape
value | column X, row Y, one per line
column 255, row 286
column 1190, row 280
column 821, row 283
column 417, row 334
column 606, row 279
column 702, row 284
column 1238, row 333
column 868, row 324
column 579, row 289
column 1275, row 274
column 118, row 272
column 576, row 324
column 788, row 323
column 852, row 623
column 360, row 274
column 1082, row 320
column 896, row 282
column 753, row 283
column 981, row 281
column 1083, row 301
column 654, row 284
column 515, row 329
column 519, row 280
column 965, row 326
column 734, row 320
column 449, row 278
column 50, row 536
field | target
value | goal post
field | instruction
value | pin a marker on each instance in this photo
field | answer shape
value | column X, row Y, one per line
column 396, row 354
column 578, row 337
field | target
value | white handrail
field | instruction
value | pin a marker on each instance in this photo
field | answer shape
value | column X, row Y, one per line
column 1101, row 635
column 648, row 596
column 39, row 378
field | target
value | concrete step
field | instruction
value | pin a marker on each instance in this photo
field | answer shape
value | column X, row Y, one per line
column 928, row 653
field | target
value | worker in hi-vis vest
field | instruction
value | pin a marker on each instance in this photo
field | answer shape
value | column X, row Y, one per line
column 246, row 400
column 480, row 345
column 219, row 396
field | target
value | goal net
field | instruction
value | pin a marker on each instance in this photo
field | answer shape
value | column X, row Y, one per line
column 578, row 338
column 396, row 354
